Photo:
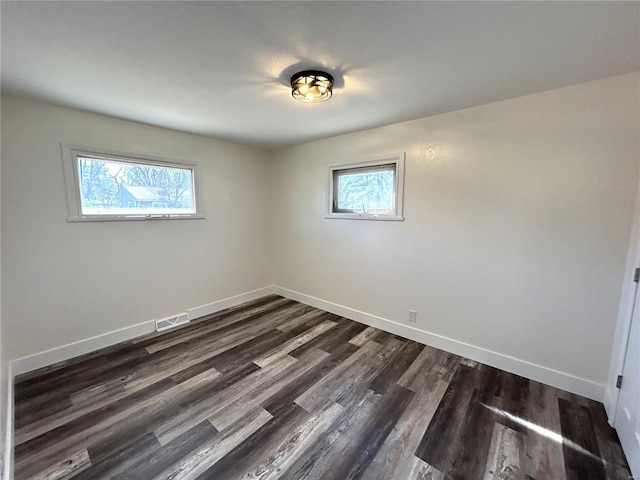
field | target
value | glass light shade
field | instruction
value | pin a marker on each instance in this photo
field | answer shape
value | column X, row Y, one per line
column 312, row 86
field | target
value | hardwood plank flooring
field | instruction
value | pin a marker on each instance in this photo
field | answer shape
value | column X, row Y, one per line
column 274, row 389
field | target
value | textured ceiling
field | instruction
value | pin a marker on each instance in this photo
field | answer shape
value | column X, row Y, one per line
column 222, row 69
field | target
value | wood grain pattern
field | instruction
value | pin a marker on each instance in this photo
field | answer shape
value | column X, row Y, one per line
column 277, row 389
column 76, row 463
column 396, row 457
column 284, row 453
column 153, row 461
column 543, row 452
column 505, row 455
column 581, row 452
column 223, row 417
column 204, row 406
column 208, row 454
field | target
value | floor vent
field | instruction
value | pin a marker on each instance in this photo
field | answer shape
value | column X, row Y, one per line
column 171, row 322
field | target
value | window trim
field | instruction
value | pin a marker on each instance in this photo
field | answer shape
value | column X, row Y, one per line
column 397, row 159
column 70, row 153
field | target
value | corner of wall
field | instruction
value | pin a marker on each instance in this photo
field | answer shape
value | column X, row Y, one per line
column 270, row 247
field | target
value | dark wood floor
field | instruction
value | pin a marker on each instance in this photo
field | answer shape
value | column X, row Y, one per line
column 276, row 389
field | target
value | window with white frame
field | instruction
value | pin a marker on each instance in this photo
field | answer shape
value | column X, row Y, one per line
column 111, row 186
column 367, row 190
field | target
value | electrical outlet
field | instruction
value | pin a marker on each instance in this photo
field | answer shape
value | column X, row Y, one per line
column 412, row 316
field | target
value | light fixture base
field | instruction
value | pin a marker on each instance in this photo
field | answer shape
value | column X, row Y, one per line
column 312, row 86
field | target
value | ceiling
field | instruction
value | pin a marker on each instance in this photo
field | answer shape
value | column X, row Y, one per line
column 222, row 69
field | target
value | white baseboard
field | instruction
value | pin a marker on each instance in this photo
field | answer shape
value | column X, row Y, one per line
column 214, row 307
column 555, row 378
column 81, row 347
column 71, row 350
column 610, row 402
column 7, row 453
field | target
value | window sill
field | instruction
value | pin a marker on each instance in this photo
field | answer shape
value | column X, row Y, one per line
column 132, row 218
column 356, row 216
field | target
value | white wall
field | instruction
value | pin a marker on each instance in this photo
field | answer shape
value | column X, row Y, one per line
column 64, row 282
column 518, row 216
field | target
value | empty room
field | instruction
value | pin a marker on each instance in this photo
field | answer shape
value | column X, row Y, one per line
column 378, row 240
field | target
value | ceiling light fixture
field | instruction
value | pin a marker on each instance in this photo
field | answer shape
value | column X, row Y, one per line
column 312, row 86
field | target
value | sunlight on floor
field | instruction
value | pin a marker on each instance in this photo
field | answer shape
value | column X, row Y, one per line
column 545, row 432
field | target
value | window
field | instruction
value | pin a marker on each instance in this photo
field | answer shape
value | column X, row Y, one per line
column 108, row 186
column 368, row 190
